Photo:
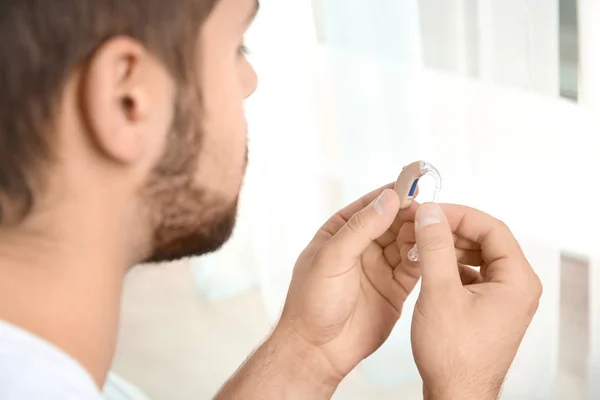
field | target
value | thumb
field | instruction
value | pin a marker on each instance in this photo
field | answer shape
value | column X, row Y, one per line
column 365, row 226
column 436, row 248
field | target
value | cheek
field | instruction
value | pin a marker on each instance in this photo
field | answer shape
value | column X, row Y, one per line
column 160, row 120
column 225, row 113
column 224, row 129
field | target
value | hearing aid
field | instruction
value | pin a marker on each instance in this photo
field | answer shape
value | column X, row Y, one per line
column 407, row 185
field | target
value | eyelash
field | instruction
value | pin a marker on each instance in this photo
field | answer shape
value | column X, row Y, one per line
column 243, row 50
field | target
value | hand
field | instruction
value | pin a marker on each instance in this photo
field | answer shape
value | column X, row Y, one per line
column 348, row 287
column 468, row 324
column 347, row 293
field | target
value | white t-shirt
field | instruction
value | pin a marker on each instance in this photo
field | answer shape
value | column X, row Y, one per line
column 31, row 368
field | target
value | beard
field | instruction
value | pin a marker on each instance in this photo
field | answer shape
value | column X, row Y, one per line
column 189, row 224
column 186, row 220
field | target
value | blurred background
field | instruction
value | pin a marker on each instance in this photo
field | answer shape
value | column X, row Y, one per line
column 503, row 97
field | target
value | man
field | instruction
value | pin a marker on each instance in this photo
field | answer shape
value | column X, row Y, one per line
column 123, row 141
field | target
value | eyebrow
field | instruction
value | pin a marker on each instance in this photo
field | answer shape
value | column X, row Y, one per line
column 254, row 11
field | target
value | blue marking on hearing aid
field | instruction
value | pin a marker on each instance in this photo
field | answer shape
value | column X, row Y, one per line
column 413, row 189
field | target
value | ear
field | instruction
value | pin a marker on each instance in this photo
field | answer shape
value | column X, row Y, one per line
column 127, row 99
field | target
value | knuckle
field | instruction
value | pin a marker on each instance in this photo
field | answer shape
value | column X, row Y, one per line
column 328, row 254
column 357, row 222
column 432, row 244
column 324, row 255
column 530, row 293
column 503, row 225
column 537, row 287
column 506, row 229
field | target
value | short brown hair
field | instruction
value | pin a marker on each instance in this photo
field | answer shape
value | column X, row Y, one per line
column 43, row 41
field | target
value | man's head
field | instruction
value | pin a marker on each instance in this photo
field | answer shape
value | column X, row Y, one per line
column 132, row 109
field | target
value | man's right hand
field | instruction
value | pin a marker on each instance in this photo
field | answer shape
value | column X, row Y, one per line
column 468, row 323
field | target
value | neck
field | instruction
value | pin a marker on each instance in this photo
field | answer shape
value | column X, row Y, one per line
column 64, row 285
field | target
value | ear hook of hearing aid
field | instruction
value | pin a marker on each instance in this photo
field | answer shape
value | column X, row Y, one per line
column 406, row 187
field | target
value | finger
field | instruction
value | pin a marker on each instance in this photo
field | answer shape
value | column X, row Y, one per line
column 341, row 218
column 348, row 212
column 466, row 262
column 379, row 274
column 407, row 235
column 407, row 277
column 404, row 215
column 436, row 248
column 473, row 258
column 469, row 275
column 467, row 257
column 500, row 249
column 393, row 254
column 405, row 273
column 364, row 227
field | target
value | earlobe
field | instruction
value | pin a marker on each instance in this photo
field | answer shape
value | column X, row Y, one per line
column 114, row 102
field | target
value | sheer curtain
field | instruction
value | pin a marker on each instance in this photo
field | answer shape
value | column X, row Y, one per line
column 350, row 91
column 403, row 76
column 585, row 148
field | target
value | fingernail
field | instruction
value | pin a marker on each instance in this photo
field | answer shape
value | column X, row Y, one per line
column 428, row 214
column 383, row 202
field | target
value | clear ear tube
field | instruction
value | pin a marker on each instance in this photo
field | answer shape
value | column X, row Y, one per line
column 406, row 187
column 428, row 169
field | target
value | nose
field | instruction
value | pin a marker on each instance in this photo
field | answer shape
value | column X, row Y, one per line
column 250, row 80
